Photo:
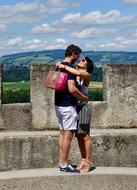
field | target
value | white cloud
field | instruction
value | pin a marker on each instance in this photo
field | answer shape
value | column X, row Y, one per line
column 63, row 3
column 23, row 12
column 91, row 33
column 111, row 46
column 57, row 44
column 55, row 1
column 34, row 44
column 130, row 1
column 60, row 41
column 72, row 18
column 27, row 12
column 2, row 27
column 43, row 29
column 14, row 41
column 126, row 41
column 135, row 34
column 48, row 29
column 120, row 43
column 96, row 17
column 37, row 44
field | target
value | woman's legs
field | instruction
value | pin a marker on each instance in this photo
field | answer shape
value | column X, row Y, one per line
column 86, row 147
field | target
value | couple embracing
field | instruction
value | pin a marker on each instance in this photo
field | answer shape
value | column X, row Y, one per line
column 73, row 112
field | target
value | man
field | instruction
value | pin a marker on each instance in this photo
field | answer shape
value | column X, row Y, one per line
column 65, row 106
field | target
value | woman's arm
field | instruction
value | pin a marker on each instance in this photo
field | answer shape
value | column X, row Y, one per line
column 67, row 68
column 81, row 73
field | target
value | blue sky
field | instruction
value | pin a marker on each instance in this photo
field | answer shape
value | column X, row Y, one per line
column 53, row 24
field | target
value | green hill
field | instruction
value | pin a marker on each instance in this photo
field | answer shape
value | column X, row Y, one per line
column 16, row 66
column 51, row 56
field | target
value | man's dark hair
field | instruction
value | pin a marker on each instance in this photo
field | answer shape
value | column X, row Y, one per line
column 72, row 49
column 90, row 65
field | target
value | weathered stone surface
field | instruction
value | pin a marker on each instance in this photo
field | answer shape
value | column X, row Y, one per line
column 0, row 82
column 42, row 99
column 17, row 116
column 46, row 179
column 24, row 150
column 1, row 120
column 120, row 91
column 99, row 113
column 19, row 150
column 115, row 148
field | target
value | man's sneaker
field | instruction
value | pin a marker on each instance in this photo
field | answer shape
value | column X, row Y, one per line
column 68, row 168
column 73, row 165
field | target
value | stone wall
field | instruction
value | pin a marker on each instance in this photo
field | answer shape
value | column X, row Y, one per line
column 118, row 110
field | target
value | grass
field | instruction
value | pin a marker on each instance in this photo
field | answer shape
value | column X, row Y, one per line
column 26, row 85
column 96, row 85
column 14, row 92
column 16, row 85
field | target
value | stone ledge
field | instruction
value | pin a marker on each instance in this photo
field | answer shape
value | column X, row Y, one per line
column 102, row 178
column 38, row 149
column 132, row 131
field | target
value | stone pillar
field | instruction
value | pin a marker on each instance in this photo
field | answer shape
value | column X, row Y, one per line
column 1, row 121
column 42, row 99
column 0, row 84
column 120, row 91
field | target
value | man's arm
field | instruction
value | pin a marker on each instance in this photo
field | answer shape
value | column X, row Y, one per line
column 75, row 91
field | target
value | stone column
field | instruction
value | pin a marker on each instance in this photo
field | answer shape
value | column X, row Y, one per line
column 120, row 91
column 42, row 99
column 1, row 121
column 0, row 84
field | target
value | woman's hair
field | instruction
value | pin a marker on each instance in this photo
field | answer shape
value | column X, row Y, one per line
column 72, row 49
column 90, row 64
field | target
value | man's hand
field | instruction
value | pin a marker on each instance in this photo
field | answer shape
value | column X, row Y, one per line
column 60, row 66
column 75, row 91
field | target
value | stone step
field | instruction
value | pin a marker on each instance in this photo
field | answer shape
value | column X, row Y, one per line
column 102, row 178
column 38, row 149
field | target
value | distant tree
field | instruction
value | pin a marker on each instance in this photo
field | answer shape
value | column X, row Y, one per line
column 95, row 94
column 18, row 73
column 16, row 96
column 97, row 74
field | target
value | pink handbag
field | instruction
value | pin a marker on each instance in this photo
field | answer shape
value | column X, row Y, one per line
column 56, row 80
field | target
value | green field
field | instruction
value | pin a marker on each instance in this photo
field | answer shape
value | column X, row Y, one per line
column 96, row 85
column 15, row 92
column 26, row 85
column 16, row 85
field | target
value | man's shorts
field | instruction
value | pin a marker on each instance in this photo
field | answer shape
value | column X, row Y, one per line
column 67, row 117
column 84, row 117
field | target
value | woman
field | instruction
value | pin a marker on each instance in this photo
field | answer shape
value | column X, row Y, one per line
column 85, row 68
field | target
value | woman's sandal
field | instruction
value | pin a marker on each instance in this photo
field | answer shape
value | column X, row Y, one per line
column 82, row 163
column 86, row 166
